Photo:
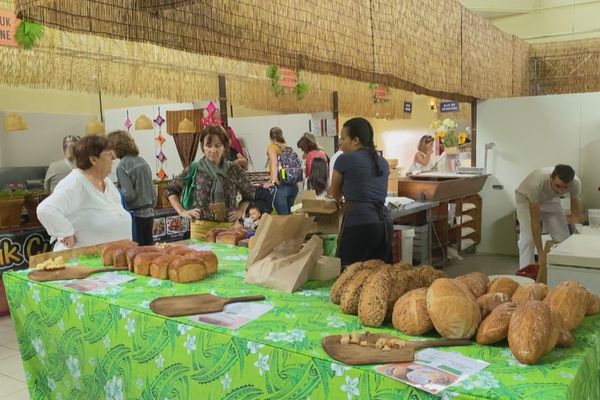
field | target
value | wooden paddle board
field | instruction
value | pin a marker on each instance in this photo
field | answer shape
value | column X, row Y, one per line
column 73, row 272
column 177, row 306
column 355, row 354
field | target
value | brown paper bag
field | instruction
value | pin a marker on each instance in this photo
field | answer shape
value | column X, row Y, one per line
column 285, row 271
column 327, row 268
column 278, row 233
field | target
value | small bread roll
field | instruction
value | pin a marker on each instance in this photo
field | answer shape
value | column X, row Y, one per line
column 570, row 300
column 529, row 331
column 531, row 291
column 410, row 313
column 351, row 296
column 372, row 305
column 476, row 282
column 504, row 285
column 452, row 309
column 495, row 327
column 489, row 301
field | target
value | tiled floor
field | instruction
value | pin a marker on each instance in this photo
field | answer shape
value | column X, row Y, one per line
column 12, row 375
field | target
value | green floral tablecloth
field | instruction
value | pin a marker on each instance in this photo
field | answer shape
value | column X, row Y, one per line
column 109, row 345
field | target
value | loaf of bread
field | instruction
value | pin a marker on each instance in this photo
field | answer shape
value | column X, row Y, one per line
column 504, row 285
column 429, row 274
column 119, row 259
column 555, row 329
column 570, row 300
column 351, row 295
column 210, row 260
column 495, row 327
column 529, row 331
column 159, row 268
column 228, row 237
column 343, row 280
column 130, row 254
column 399, row 283
column 489, row 301
column 565, row 339
column 211, row 235
column 531, row 291
column 373, row 300
column 141, row 264
column 187, row 270
column 410, row 313
column 180, row 250
column 593, row 304
column 452, row 309
column 476, row 282
column 109, row 249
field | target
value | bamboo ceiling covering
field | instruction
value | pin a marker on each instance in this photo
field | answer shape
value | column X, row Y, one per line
column 426, row 46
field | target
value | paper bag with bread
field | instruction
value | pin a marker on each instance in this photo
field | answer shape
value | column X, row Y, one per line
column 278, row 258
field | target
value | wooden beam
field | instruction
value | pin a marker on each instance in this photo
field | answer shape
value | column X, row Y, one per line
column 223, row 99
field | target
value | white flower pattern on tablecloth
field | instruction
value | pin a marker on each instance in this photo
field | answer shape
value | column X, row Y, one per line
column 39, row 347
column 183, row 329
column 75, row 298
column 107, row 342
column 51, row 384
column 79, row 310
column 73, row 366
column 510, row 358
column 277, row 337
column 520, row 378
column 145, row 304
column 130, row 326
column 124, row 313
column 335, row 322
column 339, row 369
column 36, row 296
column 448, row 395
column 190, row 343
column 351, row 387
column 59, row 396
column 297, row 335
column 114, row 389
column 262, row 364
column 61, row 325
column 139, row 382
column 254, row 347
column 566, row 375
column 160, row 361
column 226, row 381
column 92, row 361
column 154, row 282
column 482, row 380
column 313, row 293
column 290, row 315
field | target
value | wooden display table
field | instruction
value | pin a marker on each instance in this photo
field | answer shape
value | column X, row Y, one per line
column 456, row 220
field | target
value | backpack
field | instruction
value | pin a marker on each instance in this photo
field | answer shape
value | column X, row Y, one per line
column 289, row 167
column 188, row 194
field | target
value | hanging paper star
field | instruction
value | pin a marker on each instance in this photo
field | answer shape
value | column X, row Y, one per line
column 128, row 122
column 160, row 138
column 161, row 174
column 161, row 157
column 211, row 109
column 159, row 120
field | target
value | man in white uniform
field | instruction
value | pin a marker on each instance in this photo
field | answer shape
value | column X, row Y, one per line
column 538, row 199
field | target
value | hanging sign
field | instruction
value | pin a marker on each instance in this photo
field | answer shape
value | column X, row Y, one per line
column 449, row 106
column 8, row 27
column 288, row 78
column 408, row 106
column 380, row 94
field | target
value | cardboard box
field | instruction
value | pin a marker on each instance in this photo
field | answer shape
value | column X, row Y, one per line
column 324, row 211
column 327, row 268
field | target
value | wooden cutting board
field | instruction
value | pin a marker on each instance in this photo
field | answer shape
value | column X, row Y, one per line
column 177, row 306
column 355, row 354
column 73, row 272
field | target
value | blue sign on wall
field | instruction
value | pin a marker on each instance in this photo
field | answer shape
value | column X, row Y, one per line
column 408, row 106
column 449, row 106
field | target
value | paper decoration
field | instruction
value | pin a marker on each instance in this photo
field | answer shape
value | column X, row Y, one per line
column 211, row 116
column 160, row 139
column 158, row 148
column 128, row 123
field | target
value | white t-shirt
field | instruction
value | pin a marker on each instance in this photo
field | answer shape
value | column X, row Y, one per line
column 77, row 208
column 415, row 166
column 536, row 188
column 332, row 163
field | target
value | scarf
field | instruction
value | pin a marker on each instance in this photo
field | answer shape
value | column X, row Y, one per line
column 219, row 174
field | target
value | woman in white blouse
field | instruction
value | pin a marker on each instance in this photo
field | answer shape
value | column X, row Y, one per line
column 85, row 207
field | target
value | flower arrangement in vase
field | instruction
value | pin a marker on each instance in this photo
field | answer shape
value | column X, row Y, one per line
column 445, row 131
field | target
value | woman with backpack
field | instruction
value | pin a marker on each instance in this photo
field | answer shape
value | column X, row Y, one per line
column 285, row 171
column 360, row 176
column 206, row 190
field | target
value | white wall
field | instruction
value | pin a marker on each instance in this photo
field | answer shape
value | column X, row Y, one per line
column 534, row 132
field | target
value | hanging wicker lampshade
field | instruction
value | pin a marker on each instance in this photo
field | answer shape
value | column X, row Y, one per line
column 186, row 126
column 143, row 123
column 14, row 122
column 94, row 127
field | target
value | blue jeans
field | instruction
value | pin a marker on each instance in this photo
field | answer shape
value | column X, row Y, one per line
column 284, row 198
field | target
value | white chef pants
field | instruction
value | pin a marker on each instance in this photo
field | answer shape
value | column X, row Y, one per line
column 553, row 220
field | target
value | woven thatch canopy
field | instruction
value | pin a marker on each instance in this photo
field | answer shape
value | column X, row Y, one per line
column 426, row 46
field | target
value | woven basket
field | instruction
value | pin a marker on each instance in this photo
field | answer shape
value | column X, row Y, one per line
column 10, row 212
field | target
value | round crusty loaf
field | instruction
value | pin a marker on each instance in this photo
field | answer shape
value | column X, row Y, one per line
column 504, row 285
column 593, row 304
column 452, row 309
column 495, row 327
column 342, row 281
column 529, row 331
column 555, row 329
column 373, row 300
column 570, row 300
column 531, row 291
column 489, row 301
column 410, row 313
column 351, row 295
column 476, row 282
